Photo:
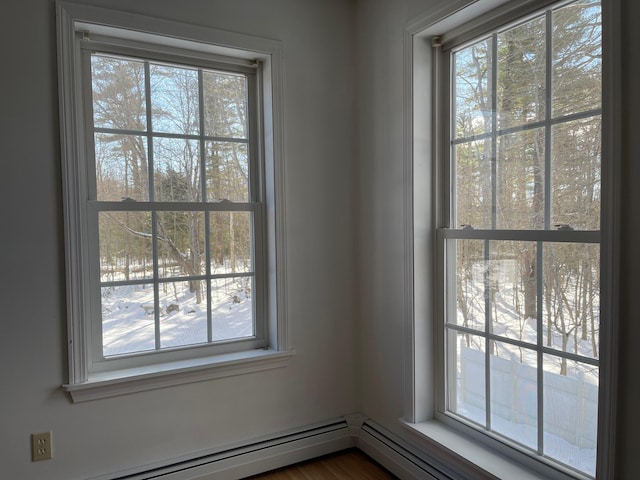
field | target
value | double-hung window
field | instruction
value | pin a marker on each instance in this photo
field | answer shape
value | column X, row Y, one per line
column 174, row 202
column 519, row 232
column 170, row 190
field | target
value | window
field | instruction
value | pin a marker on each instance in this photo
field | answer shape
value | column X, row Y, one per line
column 522, row 152
column 170, row 186
column 521, row 248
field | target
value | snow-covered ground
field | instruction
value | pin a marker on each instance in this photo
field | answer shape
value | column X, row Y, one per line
column 128, row 324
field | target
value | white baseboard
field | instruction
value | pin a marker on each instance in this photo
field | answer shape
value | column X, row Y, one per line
column 262, row 455
column 251, row 458
column 397, row 456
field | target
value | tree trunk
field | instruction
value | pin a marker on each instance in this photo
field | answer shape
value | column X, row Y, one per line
column 530, row 283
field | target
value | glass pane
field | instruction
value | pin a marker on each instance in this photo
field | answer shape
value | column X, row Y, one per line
column 571, row 299
column 227, row 171
column 575, row 175
column 514, row 393
column 473, row 184
column 230, row 242
column 520, row 180
column 500, row 277
column 176, row 170
column 577, row 58
column 466, row 372
column 232, row 307
column 174, row 100
column 119, row 99
column 181, row 246
column 122, row 168
column 125, row 246
column 571, row 412
column 471, row 270
column 512, row 290
column 472, row 94
column 128, row 324
column 183, row 314
column 225, row 105
column 521, row 90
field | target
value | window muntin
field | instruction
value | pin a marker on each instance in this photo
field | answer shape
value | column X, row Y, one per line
column 522, row 246
column 175, row 206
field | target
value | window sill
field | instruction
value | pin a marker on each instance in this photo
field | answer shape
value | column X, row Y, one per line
column 123, row 382
column 468, row 458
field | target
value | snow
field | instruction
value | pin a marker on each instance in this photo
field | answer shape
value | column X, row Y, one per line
column 570, row 406
column 128, row 324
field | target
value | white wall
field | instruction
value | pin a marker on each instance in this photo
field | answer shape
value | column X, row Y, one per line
column 380, row 25
column 380, row 30
column 118, row 433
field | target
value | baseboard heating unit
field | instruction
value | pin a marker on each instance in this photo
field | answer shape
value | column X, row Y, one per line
column 250, row 458
column 240, row 461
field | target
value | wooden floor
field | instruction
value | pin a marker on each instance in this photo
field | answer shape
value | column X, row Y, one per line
column 346, row 465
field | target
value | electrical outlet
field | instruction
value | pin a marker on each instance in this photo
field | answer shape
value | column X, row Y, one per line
column 41, row 447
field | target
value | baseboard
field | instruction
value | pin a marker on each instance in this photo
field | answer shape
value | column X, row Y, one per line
column 269, row 453
column 259, row 456
column 397, row 456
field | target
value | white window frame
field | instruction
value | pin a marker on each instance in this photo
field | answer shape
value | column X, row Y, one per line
column 424, row 184
column 90, row 375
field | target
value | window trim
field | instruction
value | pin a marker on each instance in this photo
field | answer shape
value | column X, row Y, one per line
column 201, row 42
column 423, row 141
